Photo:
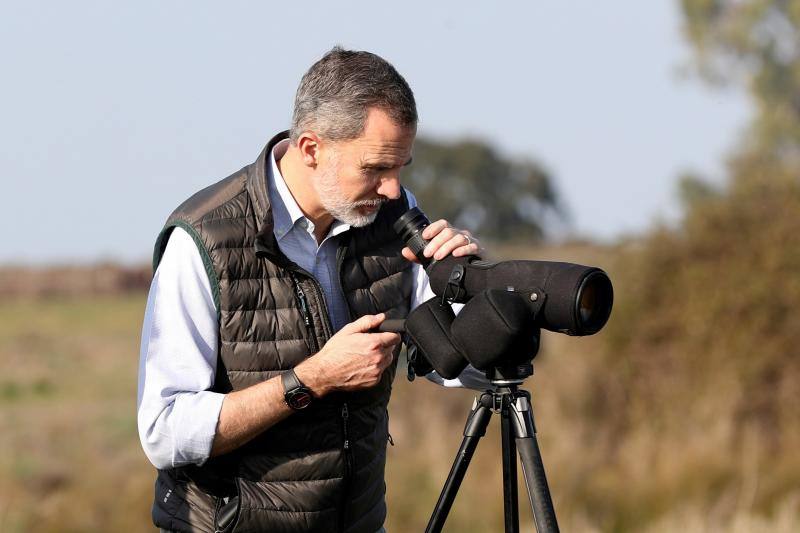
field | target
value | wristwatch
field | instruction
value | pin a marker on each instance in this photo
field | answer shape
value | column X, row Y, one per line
column 295, row 394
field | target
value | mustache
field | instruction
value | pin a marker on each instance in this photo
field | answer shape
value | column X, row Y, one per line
column 371, row 203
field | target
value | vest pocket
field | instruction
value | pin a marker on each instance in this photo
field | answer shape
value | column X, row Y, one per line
column 301, row 506
column 226, row 515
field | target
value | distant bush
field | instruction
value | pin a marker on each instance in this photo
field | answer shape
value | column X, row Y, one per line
column 42, row 282
column 699, row 382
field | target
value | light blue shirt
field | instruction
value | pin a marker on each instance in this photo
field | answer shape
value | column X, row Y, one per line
column 295, row 235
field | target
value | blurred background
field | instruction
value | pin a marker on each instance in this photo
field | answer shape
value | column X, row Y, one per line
column 657, row 140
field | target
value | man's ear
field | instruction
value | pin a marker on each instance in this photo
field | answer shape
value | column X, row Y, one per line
column 309, row 144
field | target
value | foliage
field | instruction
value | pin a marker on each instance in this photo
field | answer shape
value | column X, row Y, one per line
column 693, row 190
column 700, row 362
column 702, row 352
column 755, row 43
column 473, row 186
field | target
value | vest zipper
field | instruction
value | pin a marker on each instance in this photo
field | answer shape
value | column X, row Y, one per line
column 340, row 253
column 327, row 327
column 309, row 322
column 345, row 416
column 305, row 310
column 348, row 466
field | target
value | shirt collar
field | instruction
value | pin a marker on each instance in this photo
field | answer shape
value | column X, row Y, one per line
column 286, row 213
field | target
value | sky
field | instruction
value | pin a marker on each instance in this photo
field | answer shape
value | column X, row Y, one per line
column 113, row 113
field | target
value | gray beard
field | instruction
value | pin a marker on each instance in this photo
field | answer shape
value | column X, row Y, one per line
column 337, row 205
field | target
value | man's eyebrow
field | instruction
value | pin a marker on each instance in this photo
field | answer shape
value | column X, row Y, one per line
column 385, row 164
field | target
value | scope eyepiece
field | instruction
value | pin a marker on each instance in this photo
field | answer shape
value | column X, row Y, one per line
column 409, row 228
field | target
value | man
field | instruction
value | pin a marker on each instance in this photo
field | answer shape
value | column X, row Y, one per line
column 262, row 388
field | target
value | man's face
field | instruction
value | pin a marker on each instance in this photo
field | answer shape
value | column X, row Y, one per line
column 353, row 178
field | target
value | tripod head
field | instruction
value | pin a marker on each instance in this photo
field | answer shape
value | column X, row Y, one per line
column 505, row 376
column 493, row 332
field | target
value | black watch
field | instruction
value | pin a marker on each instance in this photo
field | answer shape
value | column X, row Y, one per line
column 295, row 394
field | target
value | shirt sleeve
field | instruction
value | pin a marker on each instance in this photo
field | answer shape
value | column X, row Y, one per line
column 470, row 377
column 176, row 413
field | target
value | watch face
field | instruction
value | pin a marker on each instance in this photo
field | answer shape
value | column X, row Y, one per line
column 298, row 399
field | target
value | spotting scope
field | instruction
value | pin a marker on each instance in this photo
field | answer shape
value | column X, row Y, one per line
column 563, row 297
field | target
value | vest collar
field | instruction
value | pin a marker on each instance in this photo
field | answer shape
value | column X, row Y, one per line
column 265, row 242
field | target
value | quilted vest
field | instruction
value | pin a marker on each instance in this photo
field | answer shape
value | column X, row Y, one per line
column 322, row 468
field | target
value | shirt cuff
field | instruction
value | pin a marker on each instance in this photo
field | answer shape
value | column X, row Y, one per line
column 196, row 426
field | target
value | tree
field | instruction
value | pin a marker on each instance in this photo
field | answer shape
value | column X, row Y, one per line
column 702, row 346
column 755, row 43
column 471, row 185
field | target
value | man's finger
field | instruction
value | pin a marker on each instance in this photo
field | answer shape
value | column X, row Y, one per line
column 408, row 254
column 434, row 229
column 365, row 323
column 473, row 248
column 442, row 237
column 386, row 360
column 460, row 242
column 388, row 339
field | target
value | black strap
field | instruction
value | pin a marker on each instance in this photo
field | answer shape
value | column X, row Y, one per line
column 455, row 285
column 290, row 381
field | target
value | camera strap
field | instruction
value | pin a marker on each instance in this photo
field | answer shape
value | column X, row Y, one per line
column 455, row 285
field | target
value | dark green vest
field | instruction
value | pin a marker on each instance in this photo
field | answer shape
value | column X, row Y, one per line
column 322, row 468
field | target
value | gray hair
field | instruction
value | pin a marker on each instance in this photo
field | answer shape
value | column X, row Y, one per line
column 337, row 91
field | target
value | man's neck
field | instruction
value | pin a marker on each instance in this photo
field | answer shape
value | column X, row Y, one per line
column 298, row 180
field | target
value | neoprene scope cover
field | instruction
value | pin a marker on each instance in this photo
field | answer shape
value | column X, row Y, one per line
column 429, row 327
column 493, row 329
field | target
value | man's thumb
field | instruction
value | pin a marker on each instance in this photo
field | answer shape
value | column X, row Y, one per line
column 367, row 322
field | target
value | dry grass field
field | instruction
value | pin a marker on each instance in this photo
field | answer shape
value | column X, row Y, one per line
column 72, row 460
column 620, row 452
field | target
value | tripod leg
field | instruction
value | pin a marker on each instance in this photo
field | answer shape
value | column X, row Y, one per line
column 510, row 497
column 532, row 467
column 473, row 431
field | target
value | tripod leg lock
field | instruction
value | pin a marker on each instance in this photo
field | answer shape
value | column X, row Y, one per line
column 478, row 418
column 522, row 417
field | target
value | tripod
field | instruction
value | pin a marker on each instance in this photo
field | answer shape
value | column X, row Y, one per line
column 519, row 435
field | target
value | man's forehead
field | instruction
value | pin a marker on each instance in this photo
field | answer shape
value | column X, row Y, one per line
column 393, row 151
column 383, row 140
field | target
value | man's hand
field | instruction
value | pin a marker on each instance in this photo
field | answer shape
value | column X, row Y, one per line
column 444, row 240
column 352, row 359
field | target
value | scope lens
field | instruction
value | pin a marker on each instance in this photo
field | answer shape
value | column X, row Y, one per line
column 594, row 301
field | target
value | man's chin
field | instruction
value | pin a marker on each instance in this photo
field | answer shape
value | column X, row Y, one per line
column 367, row 210
column 363, row 215
column 359, row 220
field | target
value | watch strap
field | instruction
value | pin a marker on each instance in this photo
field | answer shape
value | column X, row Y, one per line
column 295, row 394
column 290, row 381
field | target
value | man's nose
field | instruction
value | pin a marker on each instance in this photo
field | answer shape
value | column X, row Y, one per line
column 389, row 186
